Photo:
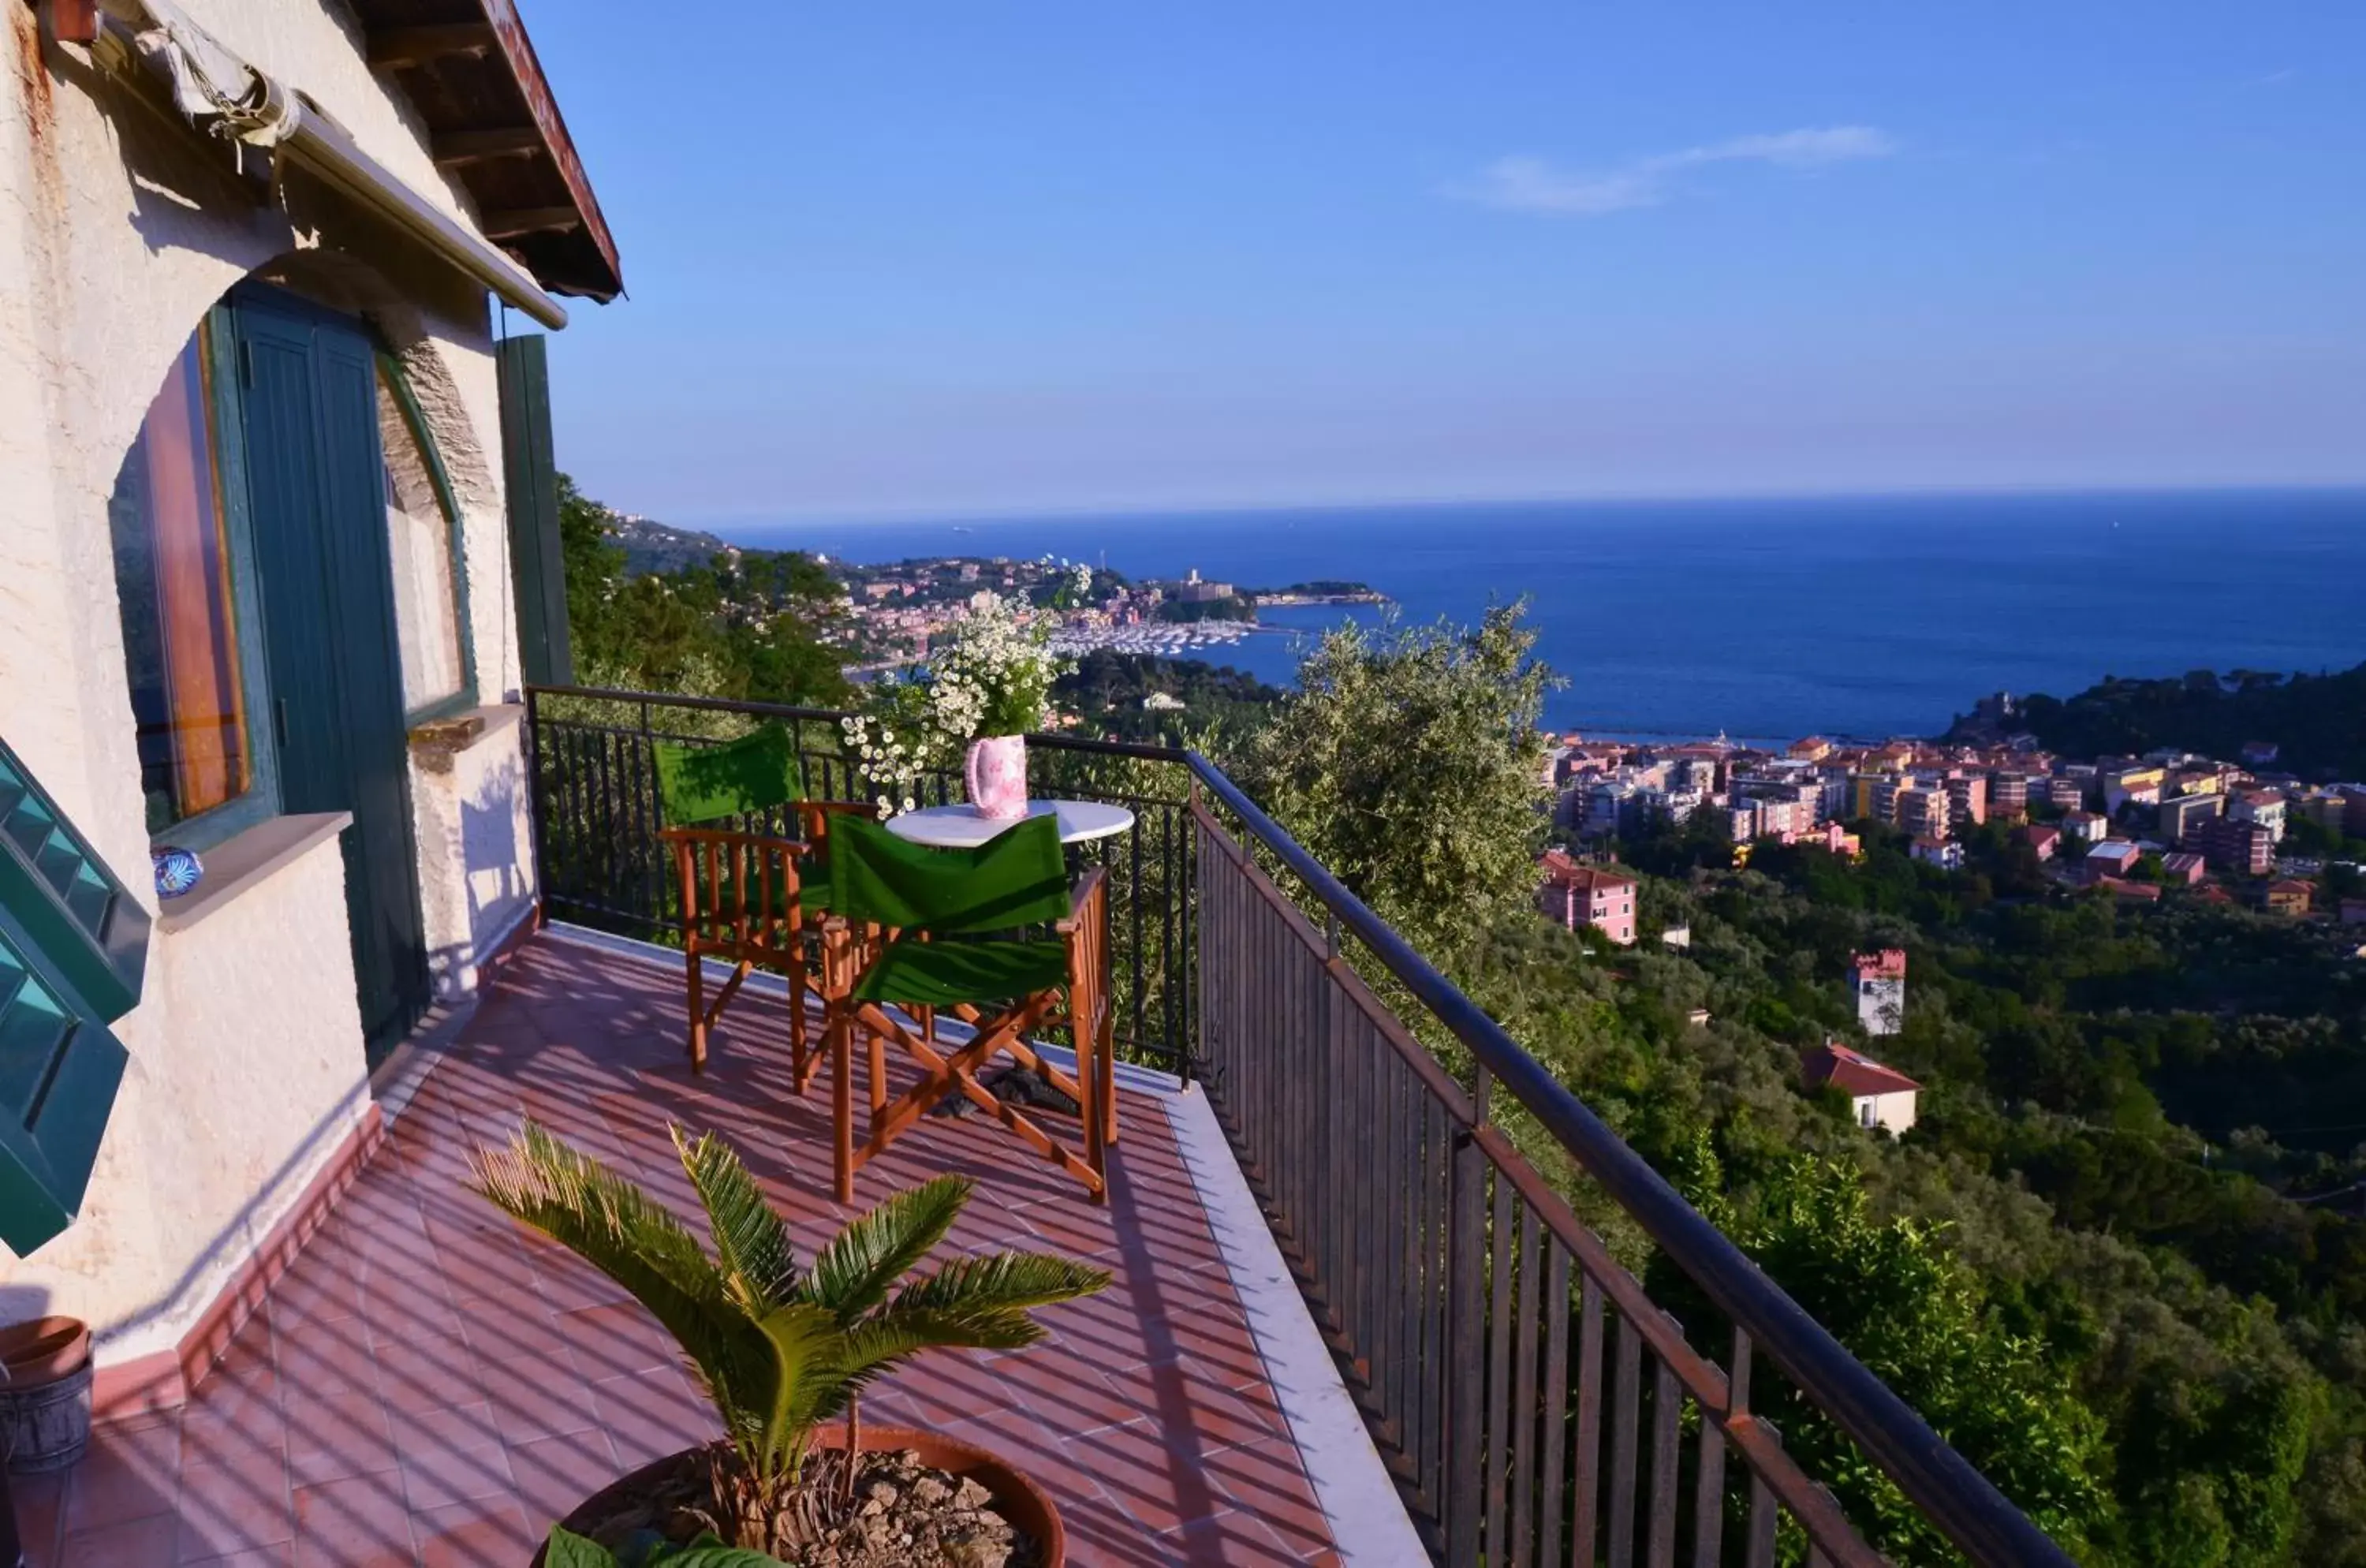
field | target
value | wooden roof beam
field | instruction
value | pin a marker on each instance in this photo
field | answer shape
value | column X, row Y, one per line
column 455, row 148
column 508, row 223
column 397, row 47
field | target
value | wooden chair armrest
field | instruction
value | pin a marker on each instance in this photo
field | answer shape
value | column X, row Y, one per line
column 1088, row 887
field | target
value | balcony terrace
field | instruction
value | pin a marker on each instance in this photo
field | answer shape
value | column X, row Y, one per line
column 1349, row 1321
column 429, row 1384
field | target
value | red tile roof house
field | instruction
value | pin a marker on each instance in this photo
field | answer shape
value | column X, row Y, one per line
column 2184, row 867
column 1879, row 1096
column 2042, row 838
column 1577, row 894
column 2289, row 897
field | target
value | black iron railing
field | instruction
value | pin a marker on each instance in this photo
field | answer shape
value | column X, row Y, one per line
column 1533, row 1403
column 596, row 819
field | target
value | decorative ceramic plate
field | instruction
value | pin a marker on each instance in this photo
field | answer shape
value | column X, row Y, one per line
column 178, row 870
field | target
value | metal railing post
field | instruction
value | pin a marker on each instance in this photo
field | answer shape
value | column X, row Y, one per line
column 1466, row 1327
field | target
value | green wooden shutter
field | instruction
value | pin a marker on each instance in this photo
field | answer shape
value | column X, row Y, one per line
column 73, row 946
column 538, row 564
column 67, row 897
column 316, row 484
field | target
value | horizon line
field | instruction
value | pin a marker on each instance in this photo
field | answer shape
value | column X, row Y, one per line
column 1120, row 513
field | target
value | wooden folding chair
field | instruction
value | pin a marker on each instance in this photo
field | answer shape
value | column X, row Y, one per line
column 750, row 896
column 919, row 928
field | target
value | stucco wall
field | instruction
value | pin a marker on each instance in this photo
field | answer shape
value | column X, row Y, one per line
column 1895, row 1111
column 476, row 851
column 119, row 227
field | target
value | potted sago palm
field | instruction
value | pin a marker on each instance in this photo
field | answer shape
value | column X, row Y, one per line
column 784, row 1351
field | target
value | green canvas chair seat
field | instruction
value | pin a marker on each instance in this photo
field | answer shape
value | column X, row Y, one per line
column 947, row 973
column 958, row 930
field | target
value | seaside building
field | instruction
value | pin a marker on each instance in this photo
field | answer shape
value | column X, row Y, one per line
column 2230, row 844
column 2008, row 796
column 1837, row 840
column 2291, row 898
column 2112, row 857
column 2180, row 815
column 2124, row 787
column 1877, row 982
column 1576, row 895
column 2264, row 806
column 1968, row 800
column 1879, row 1096
column 1944, row 853
column 1194, row 589
column 1922, row 810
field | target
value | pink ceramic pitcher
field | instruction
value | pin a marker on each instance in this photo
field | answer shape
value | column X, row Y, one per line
column 996, row 772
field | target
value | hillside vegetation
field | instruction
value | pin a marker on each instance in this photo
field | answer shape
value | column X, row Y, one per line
column 2319, row 721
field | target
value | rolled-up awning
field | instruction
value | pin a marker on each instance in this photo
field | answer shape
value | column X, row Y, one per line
column 213, row 85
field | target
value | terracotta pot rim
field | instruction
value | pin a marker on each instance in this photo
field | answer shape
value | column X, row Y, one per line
column 42, row 1350
column 1018, row 1497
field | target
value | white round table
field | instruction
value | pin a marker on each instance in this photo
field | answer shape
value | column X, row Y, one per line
column 961, row 828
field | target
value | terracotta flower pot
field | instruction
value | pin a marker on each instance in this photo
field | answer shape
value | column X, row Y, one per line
column 45, row 1377
column 1016, row 1498
column 995, row 773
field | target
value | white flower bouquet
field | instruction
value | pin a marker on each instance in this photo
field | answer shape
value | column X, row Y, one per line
column 990, row 679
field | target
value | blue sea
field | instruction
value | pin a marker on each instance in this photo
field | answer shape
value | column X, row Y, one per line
column 1862, row 616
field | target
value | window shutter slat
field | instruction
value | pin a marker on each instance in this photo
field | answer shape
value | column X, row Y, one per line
column 71, row 905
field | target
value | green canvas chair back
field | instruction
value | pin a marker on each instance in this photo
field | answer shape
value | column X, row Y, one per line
column 745, row 777
column 1017, row 879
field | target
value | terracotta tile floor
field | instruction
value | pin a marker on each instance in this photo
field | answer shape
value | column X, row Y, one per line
column 429, row 1387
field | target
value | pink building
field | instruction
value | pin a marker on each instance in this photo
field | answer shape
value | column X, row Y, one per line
column 1877, row 981
column 1587, row 895
column 2043, row 841
column 2184, row 868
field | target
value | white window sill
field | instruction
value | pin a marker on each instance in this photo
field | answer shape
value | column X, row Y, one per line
column 246, row 859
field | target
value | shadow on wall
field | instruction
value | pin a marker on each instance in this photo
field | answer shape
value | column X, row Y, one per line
column 500, row 888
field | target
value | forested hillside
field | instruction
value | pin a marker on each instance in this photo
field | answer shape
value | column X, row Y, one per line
column 753, row 625
column 2319, row 721
column 2090, row 1266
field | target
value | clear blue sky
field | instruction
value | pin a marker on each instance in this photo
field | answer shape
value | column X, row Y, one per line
column 948, row 259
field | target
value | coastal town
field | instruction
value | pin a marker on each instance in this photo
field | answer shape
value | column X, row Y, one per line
column 2168, row 823
column 886, row 616
column 894, row 610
